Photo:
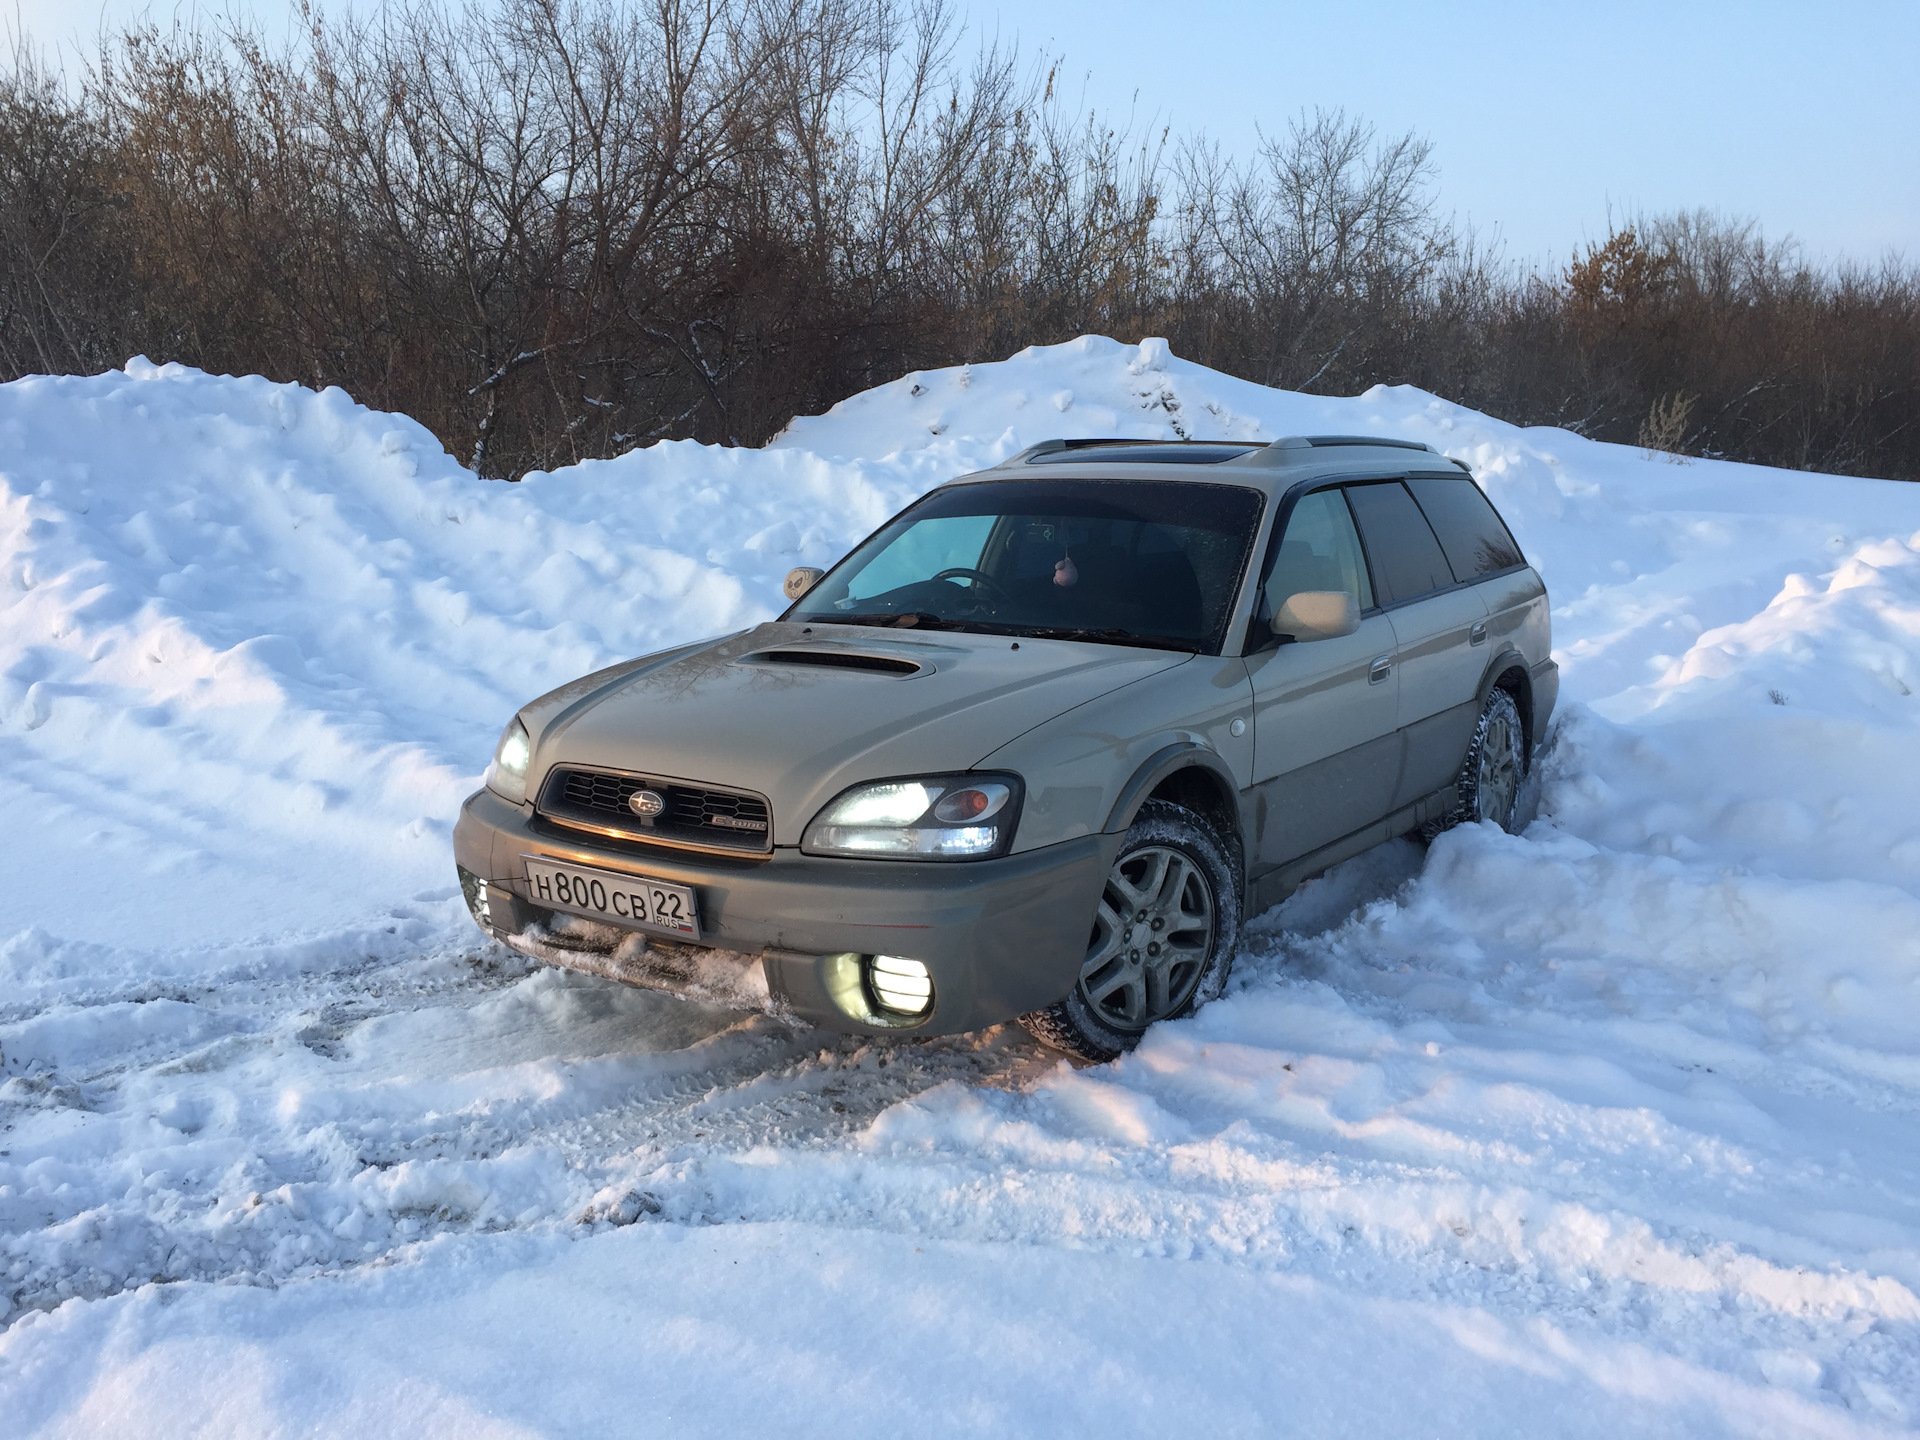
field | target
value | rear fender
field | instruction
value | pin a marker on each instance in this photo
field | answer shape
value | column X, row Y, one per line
column 1510, row 659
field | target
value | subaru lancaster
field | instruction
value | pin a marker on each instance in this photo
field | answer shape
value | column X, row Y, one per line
column 1034, row 748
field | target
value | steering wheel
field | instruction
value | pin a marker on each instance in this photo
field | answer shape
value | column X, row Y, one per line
column 984, row 585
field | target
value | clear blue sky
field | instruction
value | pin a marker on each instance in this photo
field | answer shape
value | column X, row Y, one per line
column 1545, row 118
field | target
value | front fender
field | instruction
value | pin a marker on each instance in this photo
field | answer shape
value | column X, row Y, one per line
column 1163, row 764
column 1089, row 769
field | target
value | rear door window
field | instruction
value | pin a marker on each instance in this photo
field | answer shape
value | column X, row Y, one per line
column 1407, row 561
column 1476, row 540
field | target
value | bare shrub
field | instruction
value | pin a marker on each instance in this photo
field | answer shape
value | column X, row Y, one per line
column 1664, row 431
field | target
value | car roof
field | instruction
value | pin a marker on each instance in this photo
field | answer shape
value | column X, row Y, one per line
column 1273, row 466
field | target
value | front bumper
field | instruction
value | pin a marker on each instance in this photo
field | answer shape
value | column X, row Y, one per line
column 999, row 937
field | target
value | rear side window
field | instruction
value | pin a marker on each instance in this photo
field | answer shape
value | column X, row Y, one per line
column 1476, row 540
column 1407, row 560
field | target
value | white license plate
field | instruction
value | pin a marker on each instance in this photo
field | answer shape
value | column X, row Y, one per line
column 623, row 899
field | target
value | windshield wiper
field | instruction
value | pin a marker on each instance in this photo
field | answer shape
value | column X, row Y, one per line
column 1107, row 634
column 927, row 620
column 893, row 619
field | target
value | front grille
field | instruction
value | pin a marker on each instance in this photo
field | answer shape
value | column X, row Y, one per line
column 692, row 815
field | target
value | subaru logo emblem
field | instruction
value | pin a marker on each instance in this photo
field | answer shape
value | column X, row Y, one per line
column 646, row 803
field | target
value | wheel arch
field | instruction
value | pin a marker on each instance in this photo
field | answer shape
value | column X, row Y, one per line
column 1186, row 773
column 1508, row 671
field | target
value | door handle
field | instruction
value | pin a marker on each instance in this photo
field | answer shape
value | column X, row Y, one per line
column 1380, row 670
column 1478, row 634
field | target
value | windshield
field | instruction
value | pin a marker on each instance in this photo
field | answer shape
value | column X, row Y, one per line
column 1142, row 562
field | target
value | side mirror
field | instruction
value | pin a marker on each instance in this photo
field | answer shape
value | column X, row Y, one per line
column 801, row 579
column 1316, row 615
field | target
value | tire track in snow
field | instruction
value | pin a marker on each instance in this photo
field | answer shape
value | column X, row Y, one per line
column 259, row 1130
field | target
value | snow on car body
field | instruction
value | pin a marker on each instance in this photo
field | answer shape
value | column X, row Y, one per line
column 1035, row 746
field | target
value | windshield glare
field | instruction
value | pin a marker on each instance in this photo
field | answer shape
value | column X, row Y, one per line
column 1128, row 561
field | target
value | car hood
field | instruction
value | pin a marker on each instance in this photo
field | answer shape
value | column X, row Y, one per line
column 799, row 713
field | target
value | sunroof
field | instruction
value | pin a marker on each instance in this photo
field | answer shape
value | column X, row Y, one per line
column 1144, row 453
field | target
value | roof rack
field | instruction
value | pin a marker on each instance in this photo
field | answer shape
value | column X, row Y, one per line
column 1327, row 442
column 1288, row 450
column 1055, row 447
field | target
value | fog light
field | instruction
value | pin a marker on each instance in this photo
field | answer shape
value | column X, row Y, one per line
column 902, row 986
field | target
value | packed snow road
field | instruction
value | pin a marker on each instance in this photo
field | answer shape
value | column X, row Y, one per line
column 259, row 1127
column 1382, row 1105
column 1608, row 1127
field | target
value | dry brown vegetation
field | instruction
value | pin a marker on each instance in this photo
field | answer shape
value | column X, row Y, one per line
column 553, row 229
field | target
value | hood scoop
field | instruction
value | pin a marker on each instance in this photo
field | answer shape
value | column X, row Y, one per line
column 822, row 659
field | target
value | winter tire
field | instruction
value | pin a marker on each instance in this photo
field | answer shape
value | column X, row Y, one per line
column 1490, row 777
column 1162, row 939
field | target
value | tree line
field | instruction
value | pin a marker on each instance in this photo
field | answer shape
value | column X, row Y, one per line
column 557, row 229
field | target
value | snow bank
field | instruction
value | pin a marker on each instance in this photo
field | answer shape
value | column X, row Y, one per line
column 256, row 642
column 1611, row 1124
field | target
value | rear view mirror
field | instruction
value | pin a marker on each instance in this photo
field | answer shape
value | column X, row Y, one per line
column 801, row 579
column 1316, row 615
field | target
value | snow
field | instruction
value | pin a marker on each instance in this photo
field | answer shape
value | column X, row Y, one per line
column 1608, row 1127
column 779, row 1329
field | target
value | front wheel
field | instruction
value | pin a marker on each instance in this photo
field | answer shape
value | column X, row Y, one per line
column 1162, row 938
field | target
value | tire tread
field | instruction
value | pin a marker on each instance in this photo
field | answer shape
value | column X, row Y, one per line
column 1066, row 1025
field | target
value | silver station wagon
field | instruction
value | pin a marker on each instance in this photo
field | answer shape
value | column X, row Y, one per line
column 1037, row 745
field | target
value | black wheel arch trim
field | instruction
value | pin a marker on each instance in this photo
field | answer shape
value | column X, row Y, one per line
column 1505, row 662
column 1166, row 762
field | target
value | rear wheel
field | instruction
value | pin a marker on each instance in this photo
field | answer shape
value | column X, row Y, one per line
column 1496, row 763
column 1162, row 938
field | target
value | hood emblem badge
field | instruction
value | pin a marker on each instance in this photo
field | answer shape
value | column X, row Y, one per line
column 646, row 803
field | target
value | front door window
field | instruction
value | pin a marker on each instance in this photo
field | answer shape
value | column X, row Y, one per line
column 1320, row 551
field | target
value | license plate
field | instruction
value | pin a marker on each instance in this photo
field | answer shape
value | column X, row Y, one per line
column 624, row 899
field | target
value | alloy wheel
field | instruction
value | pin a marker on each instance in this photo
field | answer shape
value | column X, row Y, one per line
column 1498, row 781
column 1152, row 933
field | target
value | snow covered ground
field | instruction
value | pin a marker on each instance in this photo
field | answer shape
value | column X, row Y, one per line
column 1607, row 1128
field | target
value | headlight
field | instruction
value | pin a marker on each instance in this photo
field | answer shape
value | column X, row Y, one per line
column 507, row 775
column 939, row 817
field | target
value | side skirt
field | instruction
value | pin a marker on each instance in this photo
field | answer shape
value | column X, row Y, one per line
column 1269, row 889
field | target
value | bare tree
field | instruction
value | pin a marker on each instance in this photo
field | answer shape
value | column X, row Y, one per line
column 559, row 228
column 1319, row 238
